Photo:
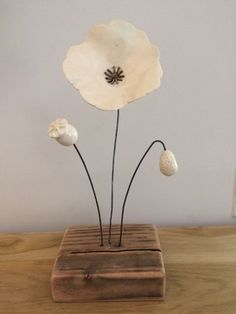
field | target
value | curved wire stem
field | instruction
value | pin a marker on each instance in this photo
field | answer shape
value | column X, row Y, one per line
column 94, row 193
column 112, row 175
column 130, row 183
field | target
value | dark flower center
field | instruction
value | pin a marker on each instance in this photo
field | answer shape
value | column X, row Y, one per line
column 114, row 75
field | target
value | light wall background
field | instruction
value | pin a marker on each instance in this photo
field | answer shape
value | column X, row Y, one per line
column 43, row 185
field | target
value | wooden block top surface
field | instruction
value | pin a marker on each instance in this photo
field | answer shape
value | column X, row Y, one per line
column 86, row 238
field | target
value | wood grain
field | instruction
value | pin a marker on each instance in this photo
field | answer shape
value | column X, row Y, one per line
column 85, row 271
column 86, row 238
column 200, row 265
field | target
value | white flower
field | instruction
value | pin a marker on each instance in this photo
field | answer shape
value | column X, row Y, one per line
column 115, row 65
column 63, row 132
column 168, row 164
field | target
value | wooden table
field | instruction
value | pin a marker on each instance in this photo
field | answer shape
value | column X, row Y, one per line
column 200, row 265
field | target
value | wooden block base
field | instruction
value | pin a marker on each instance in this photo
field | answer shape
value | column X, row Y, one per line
column 85, row 271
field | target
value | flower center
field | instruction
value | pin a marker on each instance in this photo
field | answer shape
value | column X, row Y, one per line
column 114, row 75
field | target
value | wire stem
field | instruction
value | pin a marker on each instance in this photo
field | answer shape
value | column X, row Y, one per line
column 112, row 175
column 94, row 193
column 130, row 183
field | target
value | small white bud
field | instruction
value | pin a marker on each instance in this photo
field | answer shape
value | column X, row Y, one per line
column 63, row 132
column 168, row 164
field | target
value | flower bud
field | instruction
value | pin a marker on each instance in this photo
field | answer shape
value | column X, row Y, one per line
column 63, row 132
column 168, row 164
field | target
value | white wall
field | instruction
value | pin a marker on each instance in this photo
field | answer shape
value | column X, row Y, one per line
column 43, row 185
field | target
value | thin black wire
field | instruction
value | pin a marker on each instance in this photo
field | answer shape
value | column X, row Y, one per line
column 94, row 193
column 130, row 183
column 113, row 174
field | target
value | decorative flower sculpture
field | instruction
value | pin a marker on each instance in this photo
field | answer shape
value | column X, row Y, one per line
column 115, row 65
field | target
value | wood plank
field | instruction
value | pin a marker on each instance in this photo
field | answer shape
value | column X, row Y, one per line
column 200, row 265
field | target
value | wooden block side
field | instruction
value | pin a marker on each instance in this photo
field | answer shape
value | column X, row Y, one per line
column 74, row 289
column 108, row 276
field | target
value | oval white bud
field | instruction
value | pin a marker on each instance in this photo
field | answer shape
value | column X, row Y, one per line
column 168, row 164
column 63, row 132
column 69, row 137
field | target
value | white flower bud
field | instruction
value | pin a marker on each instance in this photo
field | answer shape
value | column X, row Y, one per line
column 168, row 164
column 63, row 132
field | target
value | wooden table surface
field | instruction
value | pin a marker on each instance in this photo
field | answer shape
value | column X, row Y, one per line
column 200, row 266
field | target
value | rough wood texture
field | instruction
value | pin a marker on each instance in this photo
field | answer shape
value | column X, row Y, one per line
column 200, row 266
column 85, row 271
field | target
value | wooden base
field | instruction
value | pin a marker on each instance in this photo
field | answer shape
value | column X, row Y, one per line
column 85, row 271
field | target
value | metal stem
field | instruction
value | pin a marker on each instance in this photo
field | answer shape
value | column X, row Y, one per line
column 130, row 183
column 94, row 193
column 113, row 174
